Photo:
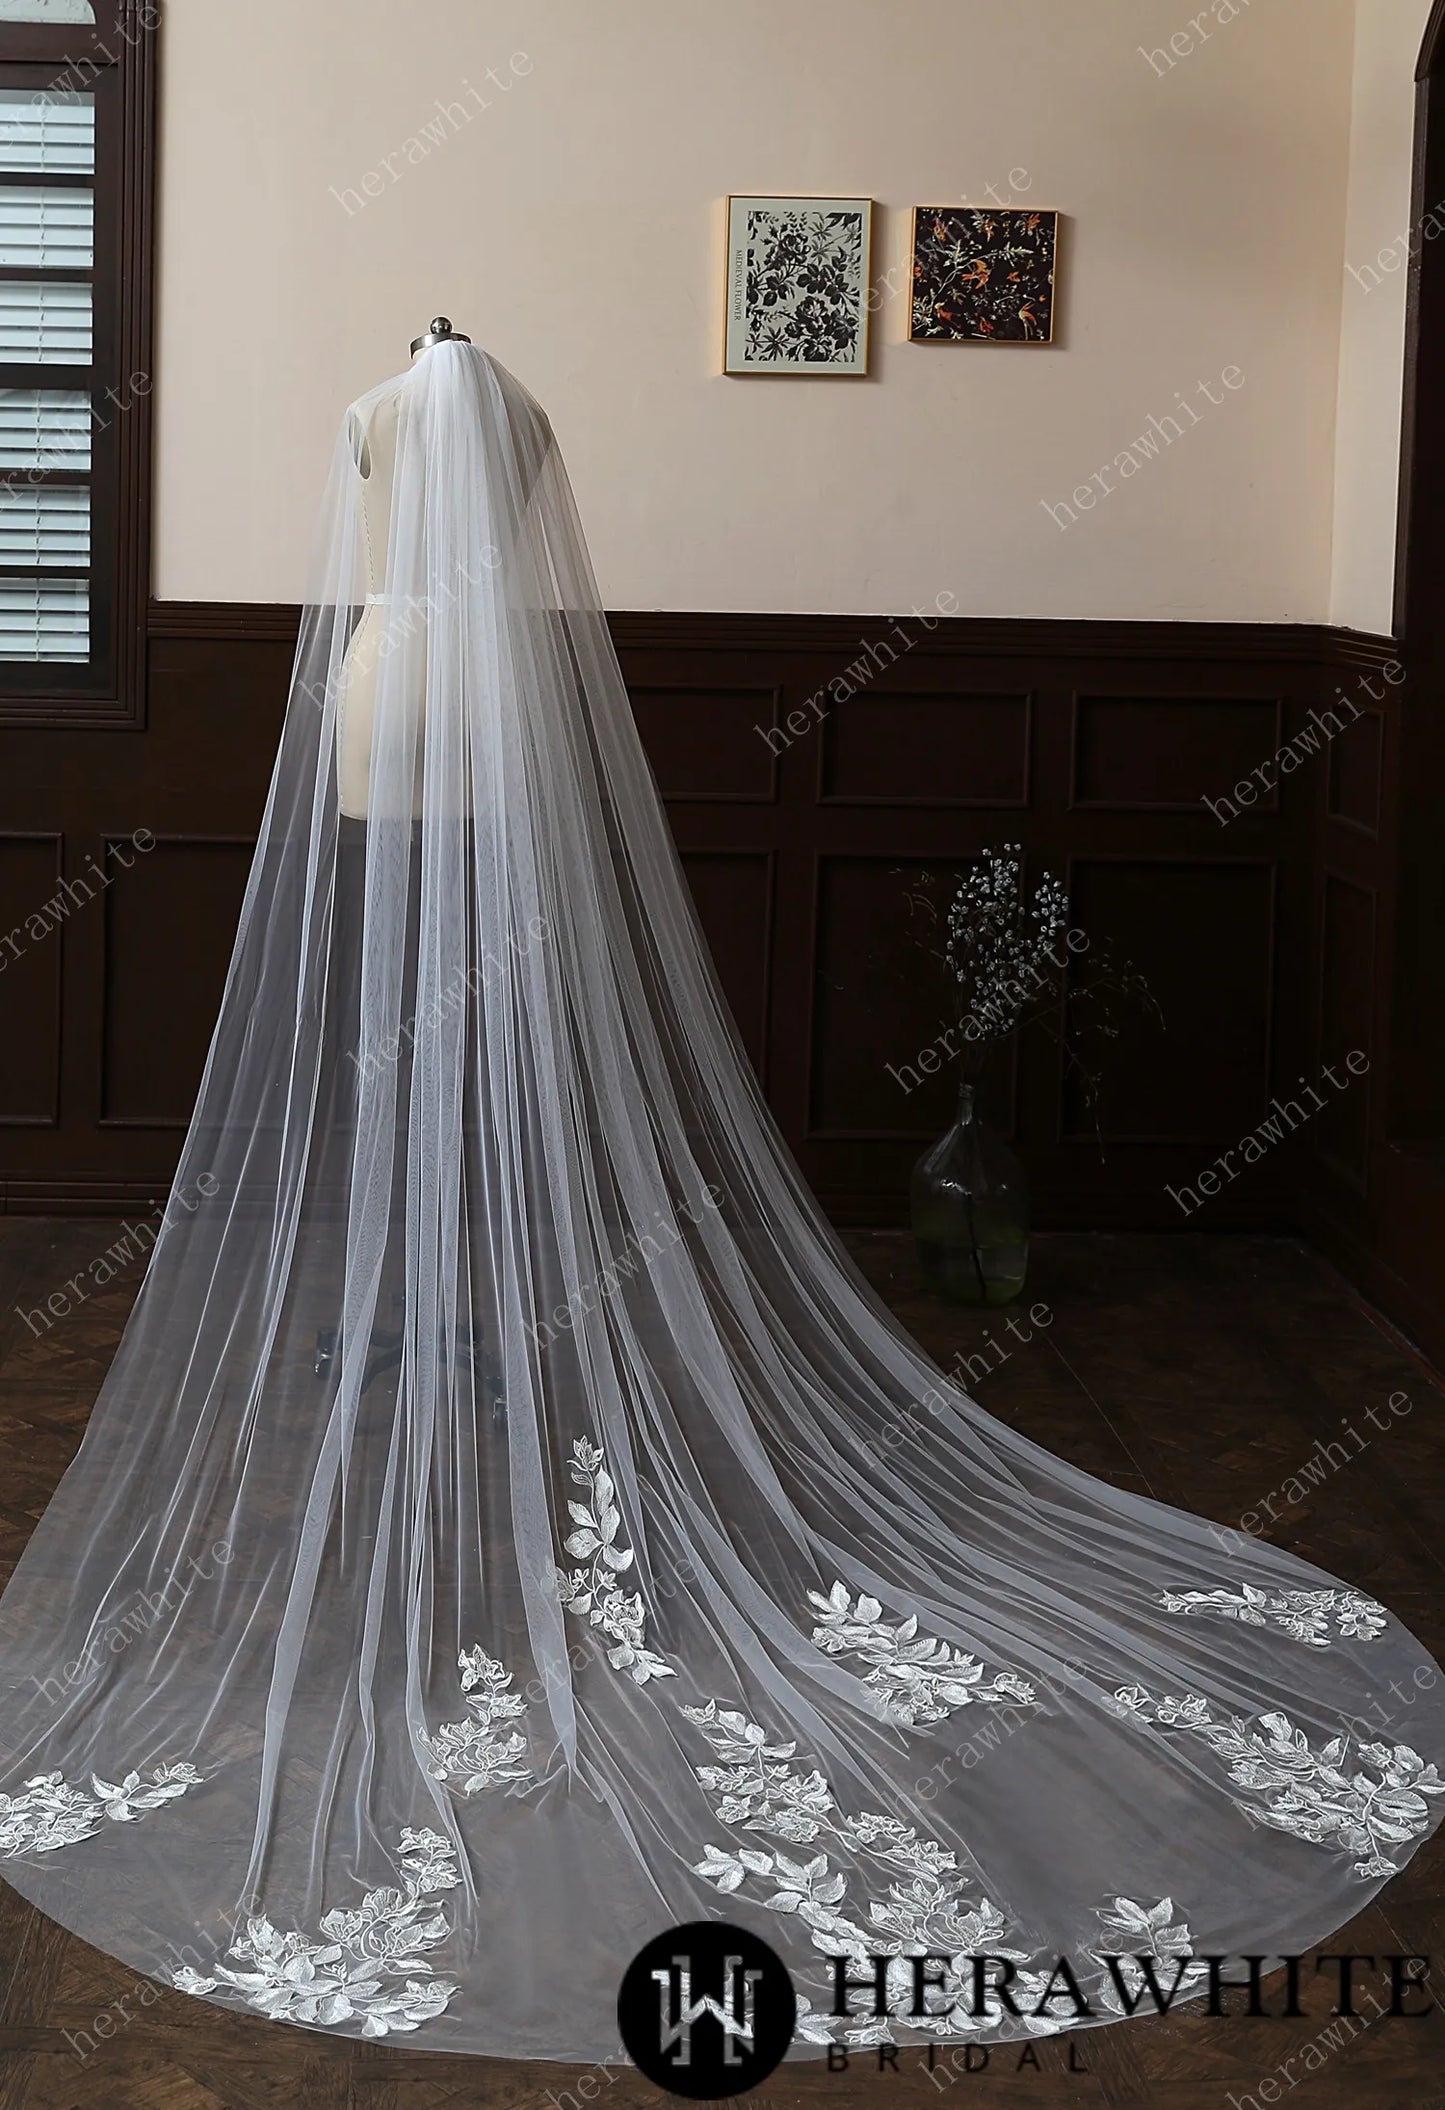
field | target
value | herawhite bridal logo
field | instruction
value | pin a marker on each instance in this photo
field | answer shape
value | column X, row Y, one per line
column 707, row 2010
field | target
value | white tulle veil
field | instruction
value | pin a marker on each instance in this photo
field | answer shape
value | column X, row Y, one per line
column 510, row 1527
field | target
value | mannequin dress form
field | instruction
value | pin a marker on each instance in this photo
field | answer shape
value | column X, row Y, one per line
column 390, row 623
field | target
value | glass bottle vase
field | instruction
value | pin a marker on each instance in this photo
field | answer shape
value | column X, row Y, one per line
column 969, row 1206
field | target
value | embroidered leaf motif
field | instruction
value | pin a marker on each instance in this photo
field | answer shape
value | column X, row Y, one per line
column 594, row 1594
column 898, row 1845
column 51, row 1813
column 1305, row 1614
column 756, row 1787
column 921, row 1911
column 915, row 1679
column 1144, row 1931
column 475, row 1754
column 351, row 1974
column 1311, row 1793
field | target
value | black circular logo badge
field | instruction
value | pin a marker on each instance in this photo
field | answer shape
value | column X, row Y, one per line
column 707, row 2011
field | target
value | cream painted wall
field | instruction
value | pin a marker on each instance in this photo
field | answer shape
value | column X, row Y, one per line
column 1388, row 35
column 574, row 227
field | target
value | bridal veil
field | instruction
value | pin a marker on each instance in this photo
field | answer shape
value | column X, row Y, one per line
column 510, row 1527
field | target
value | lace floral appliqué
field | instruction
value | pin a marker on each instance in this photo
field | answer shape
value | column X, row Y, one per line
column 370, row 1964
column 477, row 1753
column 50, row 1813
column 923, row 1911
column 594, row 1593
column 914, row 1678
column 1308, row 1615
column 1356, row 1803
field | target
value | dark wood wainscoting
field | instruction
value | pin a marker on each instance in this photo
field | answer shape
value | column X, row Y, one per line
column 811, row 766
column 1375, row 1199
column 1089, row 744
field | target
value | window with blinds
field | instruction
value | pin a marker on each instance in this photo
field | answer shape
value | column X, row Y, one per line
column 47, row 318
column 75, row 140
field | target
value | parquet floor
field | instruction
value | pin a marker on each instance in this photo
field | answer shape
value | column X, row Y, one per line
column 1199, row 1370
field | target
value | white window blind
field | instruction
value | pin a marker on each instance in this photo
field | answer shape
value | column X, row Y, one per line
column 41, row 227
column 46, row 11
column 45, row 619
column 47, row 526
column 51, row 132
column 44, row 428
column 46, row 321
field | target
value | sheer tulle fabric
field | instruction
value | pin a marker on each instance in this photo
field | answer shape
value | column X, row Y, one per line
column 501, row 1533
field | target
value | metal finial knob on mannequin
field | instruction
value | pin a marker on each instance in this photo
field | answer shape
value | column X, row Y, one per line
column 438, row 331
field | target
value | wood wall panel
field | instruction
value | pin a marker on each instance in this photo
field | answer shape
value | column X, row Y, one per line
column 1204, row 933
column 1375, row 1200
column 165, row 920
column 875, row 1072
column 733, row 894
column 710, row 746
column 1346, row 1023
column 33, row 912
column 914, row 747
column 1356, row 773
column 1168, row 753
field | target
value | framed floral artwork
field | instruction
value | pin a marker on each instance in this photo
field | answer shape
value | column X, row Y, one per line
column 983, row 274
column 797, row 285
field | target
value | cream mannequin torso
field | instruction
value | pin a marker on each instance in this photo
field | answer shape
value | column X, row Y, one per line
column 391, row 632
column 373, row 437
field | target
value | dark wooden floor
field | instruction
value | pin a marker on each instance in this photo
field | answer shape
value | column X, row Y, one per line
column 1199, row 1370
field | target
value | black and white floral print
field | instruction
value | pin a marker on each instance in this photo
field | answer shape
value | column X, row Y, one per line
column 801, row 299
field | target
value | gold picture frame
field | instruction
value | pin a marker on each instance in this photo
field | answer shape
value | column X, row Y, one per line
column 797, row 280
column 983, row 274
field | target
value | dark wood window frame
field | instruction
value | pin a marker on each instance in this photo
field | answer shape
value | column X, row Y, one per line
column 113, row 59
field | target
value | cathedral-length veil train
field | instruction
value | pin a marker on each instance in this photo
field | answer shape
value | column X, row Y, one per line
column 510, row 1527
